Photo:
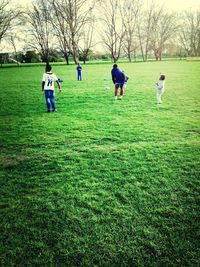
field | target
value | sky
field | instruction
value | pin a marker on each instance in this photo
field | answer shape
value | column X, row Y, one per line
column 171, row 5
column 175, row 5
column 179, row 5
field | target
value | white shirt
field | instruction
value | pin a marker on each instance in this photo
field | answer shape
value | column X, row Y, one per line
column 161, row 84
column 49, row 78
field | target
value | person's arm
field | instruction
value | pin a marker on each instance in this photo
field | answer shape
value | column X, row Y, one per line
column 43, row 83
column 59, row 85
column 57, row 81
column 124, row 77
column 113, row 78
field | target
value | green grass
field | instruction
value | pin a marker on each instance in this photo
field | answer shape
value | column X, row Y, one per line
column 100, row 182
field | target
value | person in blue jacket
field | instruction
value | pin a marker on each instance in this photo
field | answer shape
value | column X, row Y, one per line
column 79, row 72
column 119, row 79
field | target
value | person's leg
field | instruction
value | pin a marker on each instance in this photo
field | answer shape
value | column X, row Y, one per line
column 121, row 90
column 116, row 89
column 162, row 92
column 48, row 102
column 52, row 99
column 79, row 76
column 158, row 96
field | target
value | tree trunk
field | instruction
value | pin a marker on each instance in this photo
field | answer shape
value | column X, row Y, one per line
column 66, row 56
column 156, row 56
column 75, row 54
column 146, row 53
column 142, row 51
column 134, row 55
column 75, row 57
column 114, row 59
column 45, row 57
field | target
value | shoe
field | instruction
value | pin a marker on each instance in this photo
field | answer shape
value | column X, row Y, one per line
column 115, row 97
column 48, row 110
column 54, row 110
column 120, row 97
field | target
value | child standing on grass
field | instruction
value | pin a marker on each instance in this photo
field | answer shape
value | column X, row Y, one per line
column 79, row 72
column 160, row 85
column 48, row 80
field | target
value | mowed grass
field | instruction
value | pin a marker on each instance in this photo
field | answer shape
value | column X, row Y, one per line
column 100, row 182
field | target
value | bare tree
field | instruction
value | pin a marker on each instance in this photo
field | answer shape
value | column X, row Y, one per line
column 144, row 26
column 129, row 11
column 40, row 28
column 113, row 30
column 189, row 33
column 75, row 14
column 61, row 29
column 8, row 18
column 163, row 28
column 12, row 38
column 86, row 42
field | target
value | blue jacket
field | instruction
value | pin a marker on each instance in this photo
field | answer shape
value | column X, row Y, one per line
column 117, row 76
column 79, row 68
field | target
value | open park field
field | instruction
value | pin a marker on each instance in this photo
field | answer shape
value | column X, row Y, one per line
column 101, row 182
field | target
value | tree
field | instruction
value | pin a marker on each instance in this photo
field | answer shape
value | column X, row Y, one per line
column 40, row 28
column 189, row 33
column 144, row 26
column 163, row 28
column 87, row 38
column 129, row 12
column 55, row 56
column 12, row 39
column 113, row 30
column 4, row 58
column 8, row 18
column 61, row 28
column 72, row 15
column 31, row 57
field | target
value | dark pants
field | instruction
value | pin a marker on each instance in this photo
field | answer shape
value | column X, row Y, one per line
column 79, row 76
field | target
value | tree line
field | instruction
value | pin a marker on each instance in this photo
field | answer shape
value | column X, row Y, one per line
column 75, row 27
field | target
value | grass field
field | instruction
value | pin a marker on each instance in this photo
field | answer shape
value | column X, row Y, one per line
column 100, row 182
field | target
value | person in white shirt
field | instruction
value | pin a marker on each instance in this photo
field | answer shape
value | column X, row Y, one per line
column 48, row 80
column 160, row 85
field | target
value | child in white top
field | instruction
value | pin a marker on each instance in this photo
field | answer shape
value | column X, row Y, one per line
column 160, row 85
column 48, row 80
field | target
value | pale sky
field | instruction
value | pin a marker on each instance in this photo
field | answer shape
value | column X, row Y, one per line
column 179, row 5
column 175, row 5
column 171, row 5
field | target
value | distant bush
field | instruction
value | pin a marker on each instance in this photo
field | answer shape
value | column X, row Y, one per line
column 31, row 57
